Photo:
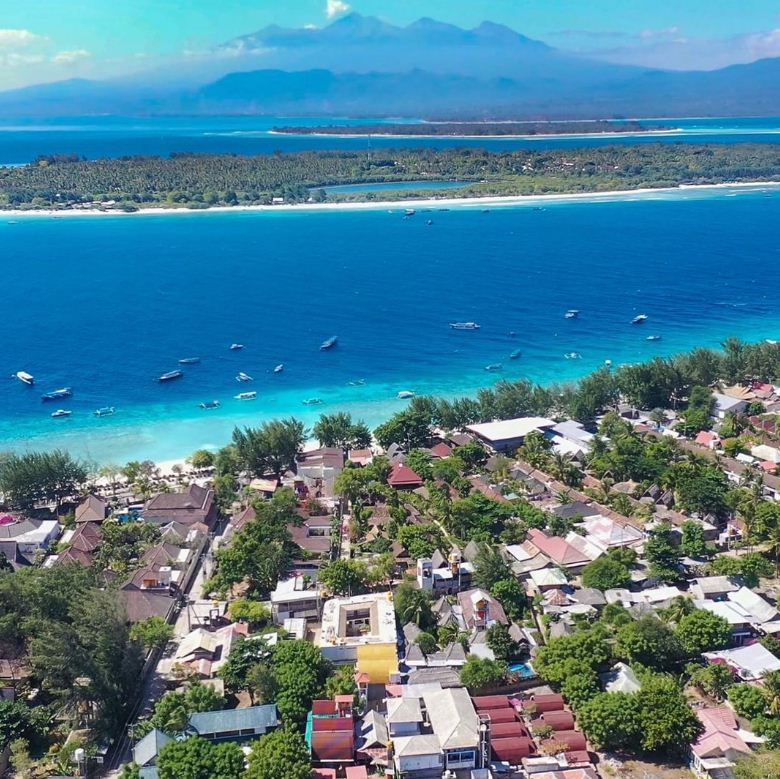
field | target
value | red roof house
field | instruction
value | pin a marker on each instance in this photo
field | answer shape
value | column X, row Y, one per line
column 558, row 549
column 402, row 477
column 511, row 750
column 442, row 451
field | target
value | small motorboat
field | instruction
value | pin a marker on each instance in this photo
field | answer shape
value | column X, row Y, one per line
column 189, row 361
column 429, row 222
column 170, row 376
column 26, row 378
column 572, row 313
column 312, row 402
column 464, row 325
column 279, row 368
column 357, row 382
column 61, row 412
column 105, row 411
column 210, row 404
column 516, row 354
column 653, row 338
column 572, row 355
column 236, row 347
column 245, row 396
column 607, row 362
column 639, row 318
column 405, row 394
column 329, row 343
column 495, row 366
column 409, row 212
column 241, row 376
column 58, row 394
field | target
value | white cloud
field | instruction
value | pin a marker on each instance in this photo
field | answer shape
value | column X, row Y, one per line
column 336, row 7
column 69, row 57
column 14, row 60
column 18, row 39
column 763, row 44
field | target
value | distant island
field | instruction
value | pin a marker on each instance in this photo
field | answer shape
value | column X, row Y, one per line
column 201, row 181
column 480, row 129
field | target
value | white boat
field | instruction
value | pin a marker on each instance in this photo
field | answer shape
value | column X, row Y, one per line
column 653, row 338
column 243, row 377
column 61, row 412
column 495, row 366
column 409, row 212
column 312, row 402
column 356, row 382
column 572, row 355
column 639, row 318
column 572, row 313
column 105, row 411
column 329, row 343
column 25, row 377
column 245, row 396
column 279, row 368
column 404, row 394
column 210, row 404
column 464, row 325
column 236, row 347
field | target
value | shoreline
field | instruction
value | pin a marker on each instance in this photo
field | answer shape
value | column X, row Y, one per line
column 373, row 205
column 491, row 136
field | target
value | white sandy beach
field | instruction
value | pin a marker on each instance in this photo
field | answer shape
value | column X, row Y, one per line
column 495, row 136
column 494, row 201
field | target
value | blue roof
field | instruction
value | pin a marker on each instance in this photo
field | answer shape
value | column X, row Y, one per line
column 251, row 718
column 146, row 750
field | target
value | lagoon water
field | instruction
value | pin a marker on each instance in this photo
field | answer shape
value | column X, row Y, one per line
column 105, row 304
column 23, row 140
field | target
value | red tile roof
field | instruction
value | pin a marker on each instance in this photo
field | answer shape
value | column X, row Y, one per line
column 545, row 703
column 511, row 750
column 557, row 549
column 401, row 475
column 557, row 720
column 441, row 450
column 490, row 702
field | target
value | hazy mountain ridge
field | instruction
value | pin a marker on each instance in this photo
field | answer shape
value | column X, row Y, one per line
column 363, row 66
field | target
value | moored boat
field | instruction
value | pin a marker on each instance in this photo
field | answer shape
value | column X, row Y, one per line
column 58, row 394
column 246, row 396
column 329, row 343
column 653, row 338
column 572, row 355
column 515, row 354
column 405, row 394
column 312, row 402
column 105, row 411
column 210, row 404
column 464, row 325
column 189, row 361
column 61, row 412
column 279, row 368
column 241, row 376
column 638, row 319
column 572, row 313
column 494, row 366
column 236, row 347
column 171, row 375
column 26, row 378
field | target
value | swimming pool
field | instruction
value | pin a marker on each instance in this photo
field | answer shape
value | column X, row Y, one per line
column 524, row 670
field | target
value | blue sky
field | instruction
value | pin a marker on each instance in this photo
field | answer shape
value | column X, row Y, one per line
column 43, row 40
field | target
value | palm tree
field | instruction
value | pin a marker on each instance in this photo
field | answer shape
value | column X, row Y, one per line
column 772, row 690
column 677, row 609
column 450, row 634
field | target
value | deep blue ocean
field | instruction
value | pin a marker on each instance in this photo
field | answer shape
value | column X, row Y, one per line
column 105, row 304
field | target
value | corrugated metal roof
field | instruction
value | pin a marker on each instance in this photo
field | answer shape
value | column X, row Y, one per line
column 333, row 746
column 251, row 718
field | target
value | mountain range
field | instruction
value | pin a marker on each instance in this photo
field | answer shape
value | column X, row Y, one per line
column 362, row 66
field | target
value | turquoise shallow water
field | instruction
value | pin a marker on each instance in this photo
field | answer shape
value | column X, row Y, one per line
column 105, row 304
